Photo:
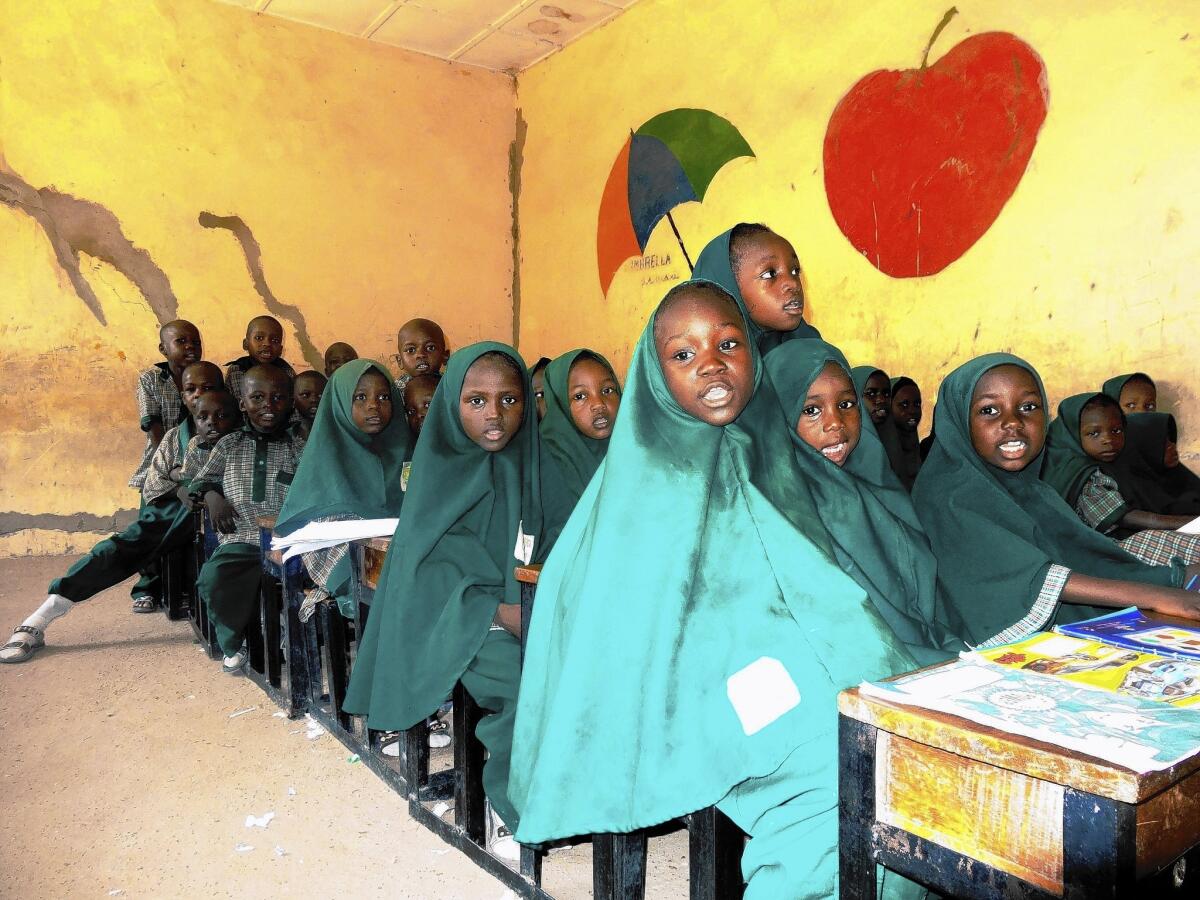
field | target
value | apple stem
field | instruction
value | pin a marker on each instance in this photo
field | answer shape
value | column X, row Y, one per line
column 950, row 14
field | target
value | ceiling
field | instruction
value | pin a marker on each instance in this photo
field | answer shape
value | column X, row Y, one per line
column 503, row 35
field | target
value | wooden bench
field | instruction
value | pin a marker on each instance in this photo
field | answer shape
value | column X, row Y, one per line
column 971, row 811
column 203, row 545
column 274, row 638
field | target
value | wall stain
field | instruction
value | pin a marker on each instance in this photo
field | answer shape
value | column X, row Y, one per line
column 516, row 159
column 12, row 522
column 253, row 253
column 75, row 226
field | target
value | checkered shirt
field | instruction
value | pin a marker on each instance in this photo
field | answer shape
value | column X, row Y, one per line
column 1161, row 548
column 1040, row 614
column 254, row 472
column 158, row 403
column 1100, row 503
column 235, row 373
column 158, row 482
column 320, row 563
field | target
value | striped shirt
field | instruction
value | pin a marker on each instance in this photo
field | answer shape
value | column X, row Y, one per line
column 158, row 482
column 159, row 403
column 1042, row 612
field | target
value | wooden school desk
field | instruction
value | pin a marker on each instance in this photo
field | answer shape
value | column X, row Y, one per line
column 975, row 812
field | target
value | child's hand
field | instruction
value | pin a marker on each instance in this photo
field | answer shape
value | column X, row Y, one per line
column 181, row 493
column 221, row 511
column 508, row 617
column 176, row 474
column 1181, row 604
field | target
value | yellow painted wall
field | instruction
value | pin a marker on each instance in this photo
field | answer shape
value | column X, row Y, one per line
column 375, row 181
column 1093, row 267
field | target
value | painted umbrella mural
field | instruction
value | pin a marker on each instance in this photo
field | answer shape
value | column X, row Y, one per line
column 669, row 160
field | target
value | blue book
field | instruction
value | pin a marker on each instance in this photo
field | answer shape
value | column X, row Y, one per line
column 1130, row 629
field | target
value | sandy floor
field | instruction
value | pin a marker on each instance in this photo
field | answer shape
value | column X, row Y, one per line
column 127, row 774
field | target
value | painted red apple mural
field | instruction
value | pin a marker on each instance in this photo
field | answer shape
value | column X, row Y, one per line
column 920, row 162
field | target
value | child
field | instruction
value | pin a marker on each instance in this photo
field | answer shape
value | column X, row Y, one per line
column 904, row 451
column 1013, row 558
column 246, row 476
column 422, row 350
column 350, row 470
column 308, row 388
column 1136, row 392
column 875, row 389
column 1149, row 472
column 338, row 354
column 264, row 347
column 447, row 608
column 582, row 399
column 877, row 538
column 163, row 525
column 537, row 377
column 1082, row 446
column 762, row 273
column 418, row 395
column 665, row 663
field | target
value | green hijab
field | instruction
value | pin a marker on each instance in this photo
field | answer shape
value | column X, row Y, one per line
column 903, row 448
column 1145, row 482
column 1113, row 386
column 713, row 265
column 1066, row 466
column 451, row 562
column 575, row 454
column 995, row 534
column 343, row 471
column 693, row 554
column 877, row 538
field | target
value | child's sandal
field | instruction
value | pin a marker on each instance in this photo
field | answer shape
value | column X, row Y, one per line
column 144, row 604
column 23, row 647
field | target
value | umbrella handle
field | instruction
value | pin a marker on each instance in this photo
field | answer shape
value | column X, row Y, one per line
column 671, row 219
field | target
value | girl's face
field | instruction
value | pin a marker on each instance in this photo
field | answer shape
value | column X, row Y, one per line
column 594, row 397
column 877, row 395
column 371, row 406
column 1171, row 455
column 539, row 391
column 1139, row 395
column 906, row 407
column 1102, row 433
column 1008, row 420
column 830, row 421
column 768, row 277
column 705, row 356
column 492, row 403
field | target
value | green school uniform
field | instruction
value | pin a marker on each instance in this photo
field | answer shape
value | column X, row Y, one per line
column 345, row 473
column 1113, row 386
column 903, row 447
column 460, row 532
column 877, row 538
column 713, row 265
column 688, row 642
column 161, row 527
column 1143, row 478
column 887, row 431
column 1066, row 465
column 996, row 534
column 575, row 454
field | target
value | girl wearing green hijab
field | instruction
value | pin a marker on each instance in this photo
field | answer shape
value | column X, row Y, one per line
column 877, row 538
column 1012, row 556
column 1136, row 392
column 690, row 633
column 582, row 398
column 760, row 270
column 1085, row 445
column 447, row 607
column 899, row 432
column 1149, row 471
column 350, row 470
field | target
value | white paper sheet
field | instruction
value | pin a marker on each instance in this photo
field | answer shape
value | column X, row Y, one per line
column 317, row 535
column 1192, row 527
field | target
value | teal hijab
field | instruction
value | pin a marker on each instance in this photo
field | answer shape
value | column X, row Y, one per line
column 343, row 471
column 1141, row 472
column 1113, row 386
column 451, row 562
column 877, row 538
column 903, row 447
column 693, row 554
column 713, row 265
column 995, row 534
column 1066, row 466
column 575, row 454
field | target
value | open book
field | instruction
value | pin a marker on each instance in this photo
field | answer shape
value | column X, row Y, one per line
column 318, row 535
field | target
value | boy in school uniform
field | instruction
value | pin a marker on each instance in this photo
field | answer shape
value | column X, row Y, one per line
column 163, row 523
column 160, row 408
column 422, row 350
column 246, row 476
column 308, row 389
column 264, row 347
column 338, row 354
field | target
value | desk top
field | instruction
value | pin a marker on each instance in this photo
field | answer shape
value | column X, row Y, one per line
column 528, row 574
column 267, row 522
column 1014, row 752
column 376, row 543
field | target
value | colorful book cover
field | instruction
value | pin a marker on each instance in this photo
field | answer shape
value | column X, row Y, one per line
column 1130, row 629
column 1100, row 666
column 1141, row 735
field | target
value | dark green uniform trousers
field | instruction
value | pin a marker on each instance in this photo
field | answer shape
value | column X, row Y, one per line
column 229, row 583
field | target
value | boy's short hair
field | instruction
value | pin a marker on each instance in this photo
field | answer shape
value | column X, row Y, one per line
column 225, row 397
column 311, row 373
column 429, row 379
column 204, row 363
column 741, row 235
column 269, row 372
column 259, row 320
